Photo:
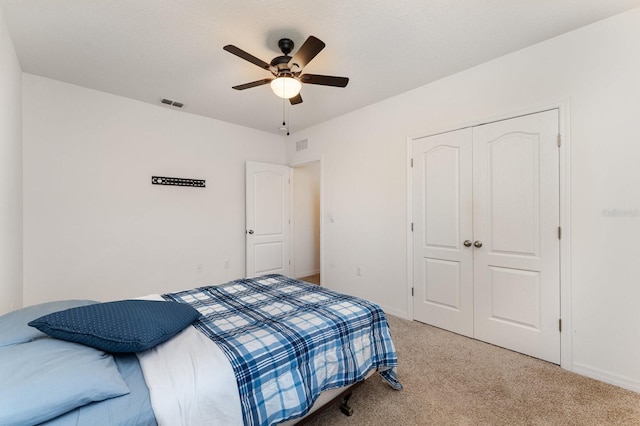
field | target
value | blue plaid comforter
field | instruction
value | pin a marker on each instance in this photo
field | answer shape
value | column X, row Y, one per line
column 288, row 341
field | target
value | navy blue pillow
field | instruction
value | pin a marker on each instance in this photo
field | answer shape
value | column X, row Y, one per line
column 119, row 327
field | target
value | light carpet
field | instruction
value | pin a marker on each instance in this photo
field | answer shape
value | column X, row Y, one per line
column 453, row 380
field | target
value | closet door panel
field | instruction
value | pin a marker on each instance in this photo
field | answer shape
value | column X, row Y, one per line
column 443, row 265
column 516, row 215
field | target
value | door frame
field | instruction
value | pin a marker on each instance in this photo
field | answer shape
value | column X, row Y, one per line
column 563, row 107
column 292, row 256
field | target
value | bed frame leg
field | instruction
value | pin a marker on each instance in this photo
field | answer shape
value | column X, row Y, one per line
column 344, row 405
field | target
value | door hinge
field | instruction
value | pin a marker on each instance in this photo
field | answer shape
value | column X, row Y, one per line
column 412, row 291
column 411, row 226
column 560, row 325
column 559, row 140
column 559, row 233
column 412, row 162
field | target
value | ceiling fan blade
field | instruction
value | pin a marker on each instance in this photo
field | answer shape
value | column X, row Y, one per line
column 297, row 99
column 309, row 49
column 324, row 80
column 247, row 56
column 253, row 84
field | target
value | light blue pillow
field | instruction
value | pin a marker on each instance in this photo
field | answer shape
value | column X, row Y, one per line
column 126, row 410
column 119, row 327
column 44, row 378
column 14, row 328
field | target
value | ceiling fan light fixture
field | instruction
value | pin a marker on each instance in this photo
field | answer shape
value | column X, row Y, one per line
column 286, row 87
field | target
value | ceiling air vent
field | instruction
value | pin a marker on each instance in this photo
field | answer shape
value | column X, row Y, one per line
column 171, row 103
column 303, row 144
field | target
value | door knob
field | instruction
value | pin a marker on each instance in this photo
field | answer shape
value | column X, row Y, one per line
column 467, row 243
column 477, row 244
column 250, row 231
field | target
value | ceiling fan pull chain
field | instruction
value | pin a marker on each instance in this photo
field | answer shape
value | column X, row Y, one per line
column 285, row 118
column 288, row 119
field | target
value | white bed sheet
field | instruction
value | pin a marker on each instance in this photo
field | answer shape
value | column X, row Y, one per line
column 191, row 381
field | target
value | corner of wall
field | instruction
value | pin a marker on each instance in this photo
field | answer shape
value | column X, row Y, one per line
column 11, row 272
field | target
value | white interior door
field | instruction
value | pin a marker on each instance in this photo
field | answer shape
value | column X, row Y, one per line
column 267, row 221
column 442, row 212
column 516, row 219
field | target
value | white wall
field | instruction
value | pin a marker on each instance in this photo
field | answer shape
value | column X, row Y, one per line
column 95, row 227
column 596, row 68
column 10, row 174
column 306, row 219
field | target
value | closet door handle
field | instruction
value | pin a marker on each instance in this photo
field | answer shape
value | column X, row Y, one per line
column 477, row 244
column 250, row 231
column 467, row 243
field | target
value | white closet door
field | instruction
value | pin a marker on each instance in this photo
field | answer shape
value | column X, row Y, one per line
column 442, row 212
column 516, row 218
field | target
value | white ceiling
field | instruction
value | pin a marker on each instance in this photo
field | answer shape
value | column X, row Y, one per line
column 153, row 49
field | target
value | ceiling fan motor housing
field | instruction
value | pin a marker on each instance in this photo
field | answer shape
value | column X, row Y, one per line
column 281, row 63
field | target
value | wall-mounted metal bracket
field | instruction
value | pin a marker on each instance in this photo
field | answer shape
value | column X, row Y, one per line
column 161, row 180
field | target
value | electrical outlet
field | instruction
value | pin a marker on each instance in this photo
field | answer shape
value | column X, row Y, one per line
column 227, row 264
column 358, row 271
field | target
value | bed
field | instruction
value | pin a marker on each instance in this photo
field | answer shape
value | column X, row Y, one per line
column 258, row 351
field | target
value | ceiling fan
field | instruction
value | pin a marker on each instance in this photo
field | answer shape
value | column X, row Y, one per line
column 287, row 71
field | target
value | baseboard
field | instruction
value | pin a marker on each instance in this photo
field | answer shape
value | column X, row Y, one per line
column 307, row 274
column 394, row 312
column 607, row 377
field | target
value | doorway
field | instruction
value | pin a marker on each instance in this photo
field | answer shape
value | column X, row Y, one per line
column 305, row 223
